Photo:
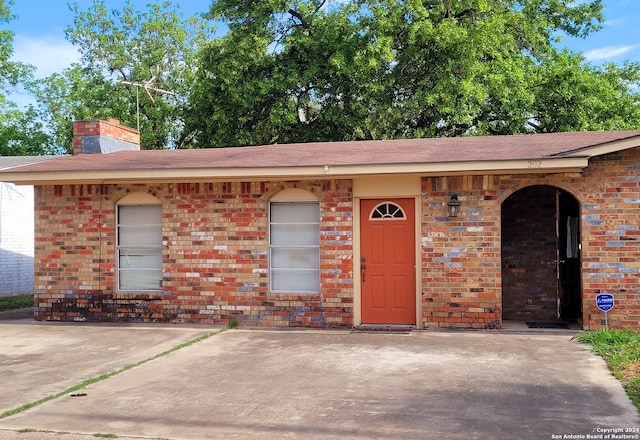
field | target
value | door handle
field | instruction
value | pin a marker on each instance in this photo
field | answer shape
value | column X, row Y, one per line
column 363, row 267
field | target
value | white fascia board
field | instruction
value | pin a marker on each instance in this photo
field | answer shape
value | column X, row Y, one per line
column 608, row 148
column 521, row 166
column 570, row 164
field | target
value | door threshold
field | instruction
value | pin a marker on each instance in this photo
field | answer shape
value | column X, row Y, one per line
column 385, row 328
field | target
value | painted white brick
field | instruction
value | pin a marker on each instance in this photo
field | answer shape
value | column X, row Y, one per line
column 16, row 239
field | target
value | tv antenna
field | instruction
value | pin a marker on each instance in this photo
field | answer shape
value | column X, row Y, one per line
column 147, row 86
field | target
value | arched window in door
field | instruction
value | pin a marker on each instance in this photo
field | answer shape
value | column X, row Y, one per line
column 387, row 211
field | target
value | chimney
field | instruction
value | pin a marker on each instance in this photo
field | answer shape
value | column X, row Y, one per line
column 103, row 136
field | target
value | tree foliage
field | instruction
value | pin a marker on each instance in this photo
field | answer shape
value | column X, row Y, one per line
column 81, row 93
column 12, row 73
column 574, row 96
column 121, row 51
column 303, row 70
column 21, row 133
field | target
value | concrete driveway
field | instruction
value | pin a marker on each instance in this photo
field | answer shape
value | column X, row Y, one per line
column 326, row 384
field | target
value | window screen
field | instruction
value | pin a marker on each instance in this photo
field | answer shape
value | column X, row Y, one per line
column 294, row 247
column 139, row 247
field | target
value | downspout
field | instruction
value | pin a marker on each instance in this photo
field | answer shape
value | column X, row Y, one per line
column 100, row 241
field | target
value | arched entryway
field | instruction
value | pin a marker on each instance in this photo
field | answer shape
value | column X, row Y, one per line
column 541, row 256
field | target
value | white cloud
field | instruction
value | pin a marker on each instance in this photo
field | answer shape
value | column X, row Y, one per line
column 609, row 52
column 48, row 54
column 617, row 22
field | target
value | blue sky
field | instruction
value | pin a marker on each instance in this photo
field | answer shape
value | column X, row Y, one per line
column 40, row 24
column 39, row 31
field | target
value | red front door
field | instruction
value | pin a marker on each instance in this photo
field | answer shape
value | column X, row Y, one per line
column 387, row 276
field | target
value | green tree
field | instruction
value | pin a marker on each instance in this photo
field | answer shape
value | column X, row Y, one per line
column 573, row 96
column 20, row 132
column 286, row 73
column 11, row 73
column 302, row 70
column 122, row 50
column 81, row 93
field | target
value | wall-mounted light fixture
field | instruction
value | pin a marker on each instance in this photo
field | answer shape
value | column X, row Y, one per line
column 453, row 206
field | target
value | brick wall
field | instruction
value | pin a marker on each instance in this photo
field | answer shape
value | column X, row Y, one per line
column 215, row 256
column 611, row 234
column 16, row 239
column 461, row 257
column 461, row 283
column 609, row 195
column 103, row 136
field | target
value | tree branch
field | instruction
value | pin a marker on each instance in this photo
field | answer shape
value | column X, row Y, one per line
column 320, row 5
column 297, row 15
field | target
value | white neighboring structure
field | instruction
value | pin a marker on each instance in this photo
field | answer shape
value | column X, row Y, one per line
column 16, row 239
column 16, row 231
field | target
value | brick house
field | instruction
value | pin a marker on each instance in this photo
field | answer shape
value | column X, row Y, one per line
column 339, row 234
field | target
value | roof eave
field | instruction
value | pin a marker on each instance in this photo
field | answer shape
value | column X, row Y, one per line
column 520, row 166
column 602, row 149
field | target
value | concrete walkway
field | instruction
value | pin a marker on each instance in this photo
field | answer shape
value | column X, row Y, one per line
column 326, row 384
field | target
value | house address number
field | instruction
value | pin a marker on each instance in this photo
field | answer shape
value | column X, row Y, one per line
column 534, row 164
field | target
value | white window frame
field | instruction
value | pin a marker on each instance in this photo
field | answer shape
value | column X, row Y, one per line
column 309, row 281
column 144, row 250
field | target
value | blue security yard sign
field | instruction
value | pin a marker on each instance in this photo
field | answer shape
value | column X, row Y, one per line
column 604, row 302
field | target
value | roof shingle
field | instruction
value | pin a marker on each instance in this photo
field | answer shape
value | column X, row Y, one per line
column 355, row 153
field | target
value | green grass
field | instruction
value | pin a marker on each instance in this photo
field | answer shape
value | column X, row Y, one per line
column 620, row 349
column 15, row 302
